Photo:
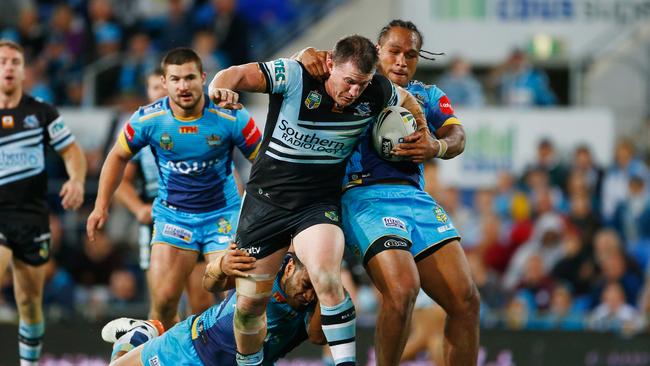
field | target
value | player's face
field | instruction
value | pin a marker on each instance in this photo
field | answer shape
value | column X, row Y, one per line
column 346, row 82
column 184, row 84
column 155, row 87
column 300, row 292
column 398, row 55
column 12, row 70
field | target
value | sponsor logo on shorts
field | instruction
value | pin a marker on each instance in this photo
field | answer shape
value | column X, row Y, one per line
column 394, row 222
column 166, row 141
column 224, row 226
column 7, row 121
column 394, row 243
column 154, row 361
column 178, row 232
column 440, row 214
column 444, row 228
column 188, row 130
column 313, row 99
column 252, row 250
column 30, row 121
column 332, row 215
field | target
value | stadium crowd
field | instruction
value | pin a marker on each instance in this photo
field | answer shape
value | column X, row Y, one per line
column 565, row 245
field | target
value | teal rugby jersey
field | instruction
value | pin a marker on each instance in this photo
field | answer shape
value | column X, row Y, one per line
column 194, row 155
column 366, row 167
column 307, row 140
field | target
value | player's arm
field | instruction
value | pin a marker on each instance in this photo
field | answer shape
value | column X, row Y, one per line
column 72, row 192
column 221, row 272
column 315, row 61
column 247, row 77
column 420, row 145
column 109, row 178
column 451, row 138
column 127, row 195
column 314, row 329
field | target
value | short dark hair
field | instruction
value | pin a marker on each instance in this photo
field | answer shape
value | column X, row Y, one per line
column 358, row 49
column 180, row 56
column 295, row 259
column 12, row 44
column 407, row 24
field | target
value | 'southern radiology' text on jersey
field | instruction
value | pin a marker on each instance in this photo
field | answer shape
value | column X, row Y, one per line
column 307, row 139
column 24, row 133
column 194, row 155
column 367, row 167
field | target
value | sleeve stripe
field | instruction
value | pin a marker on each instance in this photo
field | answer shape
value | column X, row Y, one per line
column 221, row 114
column 61, row 138
column 253, row 155
column 122, row 141
column 451, row 121
column 63, row 144
column 152, row 115
column 267, row 76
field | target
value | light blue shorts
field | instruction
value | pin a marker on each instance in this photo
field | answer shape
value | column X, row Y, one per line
column 201, row 232
column 174, row 347
column 386, row 216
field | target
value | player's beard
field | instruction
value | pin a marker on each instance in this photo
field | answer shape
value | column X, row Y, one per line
column 187, row 106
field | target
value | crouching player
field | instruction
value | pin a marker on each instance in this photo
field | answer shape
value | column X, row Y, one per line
column 208, row 339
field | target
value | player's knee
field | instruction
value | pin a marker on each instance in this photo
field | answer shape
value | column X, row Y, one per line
column 400, row 299
column 468, row 303
column 166, row 302
column 250, row 306
column 249, row 323
column 325, row 282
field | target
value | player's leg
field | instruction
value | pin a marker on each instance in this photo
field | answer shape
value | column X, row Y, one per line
column 198, row 298
column 320, row 247
column 5, row 259
column 395, row 275
column 426, row 334
column 170, row 267
column 126, row 334
column 445, row 276
column 132, row 358
column 28, row 289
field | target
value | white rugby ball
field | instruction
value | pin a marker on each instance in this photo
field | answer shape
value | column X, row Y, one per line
column 392, row 125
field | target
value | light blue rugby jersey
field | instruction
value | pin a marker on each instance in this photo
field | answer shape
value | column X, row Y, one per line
column 194, row 156
column 365, row 167
column 307, row 138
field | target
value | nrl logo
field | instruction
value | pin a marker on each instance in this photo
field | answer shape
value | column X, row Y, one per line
column 224, row 226
column 313, row 99
column 332, row 216
column 440, row 214
column 166, row 142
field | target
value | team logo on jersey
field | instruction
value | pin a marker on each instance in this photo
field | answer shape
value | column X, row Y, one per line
column 154, row 361
column 188, row 130
column 362, row 109
column 166, row 141
column 177, row 232
column 313, row 99
column 420, row 98
column 440, row 214
column 332, row 215
column 30, row 122
column 214, row 140
column 7, row 121
column 224, row 226
column 394, row 222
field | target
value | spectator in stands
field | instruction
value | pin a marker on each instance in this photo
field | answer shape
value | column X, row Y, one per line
column 68, row 27
column 616, row 181
column 229, row 27
column 489, row 286
column 535, row 284
column 582, row 218
column 632, row 215
column 543, row 196
column 36, row 84
column 505, row 190
column 139, row 62
column 522, row 225
column 461, row 86
column 584, row 165
column 29, row 32
column 206, row 45
column 176, row 29
column 545, row 242
column 576, row 267
column 516, row 313
column 644, row 306
column 549, row 160
column 518, row 84
column 483, row 206
column 562, row 314
column 613, row 313
column 493, row 249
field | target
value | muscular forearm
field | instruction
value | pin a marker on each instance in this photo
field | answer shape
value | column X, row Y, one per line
column 127, row 195
column 246, row 77
column 214, row 280
column 110, row 178
column 75, row 163
column 454, row 138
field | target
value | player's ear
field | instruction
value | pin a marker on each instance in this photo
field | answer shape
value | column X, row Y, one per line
column 329, row 62
column 204, row 77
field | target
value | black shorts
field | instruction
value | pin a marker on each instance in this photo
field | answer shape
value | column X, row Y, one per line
column 29, row 243
column 264, row 228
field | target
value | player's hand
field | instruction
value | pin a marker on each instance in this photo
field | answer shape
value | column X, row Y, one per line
column 143, row 214
column 96, row 221
column 72, row 194
column 225, row 98
column 315, row 62
column 236, row 262
column 418, row 146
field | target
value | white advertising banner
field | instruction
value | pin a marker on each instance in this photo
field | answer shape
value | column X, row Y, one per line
column 507, row 139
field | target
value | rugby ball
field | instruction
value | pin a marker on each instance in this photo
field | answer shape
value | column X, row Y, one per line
column 392, row 125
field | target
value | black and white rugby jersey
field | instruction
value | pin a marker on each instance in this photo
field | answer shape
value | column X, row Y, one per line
column 307, row 140
column 25, row 131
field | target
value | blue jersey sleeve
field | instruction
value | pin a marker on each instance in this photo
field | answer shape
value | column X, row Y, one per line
column 246, row 135
column 134, row 134
column 282, row 75
column 439, row 111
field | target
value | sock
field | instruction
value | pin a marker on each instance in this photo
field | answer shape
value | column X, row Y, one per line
column 339, row 326
column 30, row 342
column 130, row 340
column 250, row 360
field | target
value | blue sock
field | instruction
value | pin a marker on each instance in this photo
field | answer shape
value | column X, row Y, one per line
column 30, row 341
column 339, row 326
column 250, row 360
